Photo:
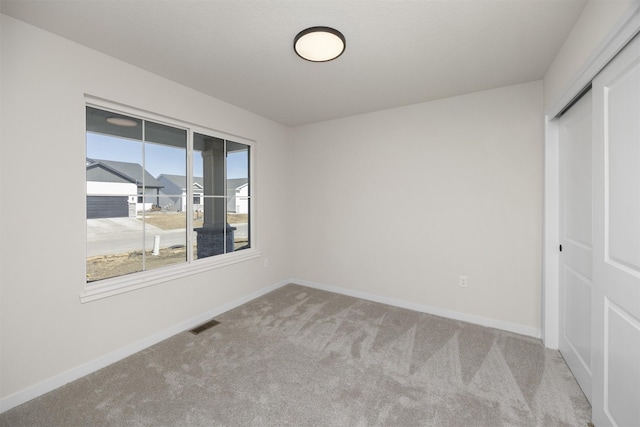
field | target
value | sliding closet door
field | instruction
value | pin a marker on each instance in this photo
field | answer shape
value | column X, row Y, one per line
column 576, row 240
column 616, row 262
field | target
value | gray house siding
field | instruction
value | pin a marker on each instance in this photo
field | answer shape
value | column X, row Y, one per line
column 170, row 195
column 174, row 192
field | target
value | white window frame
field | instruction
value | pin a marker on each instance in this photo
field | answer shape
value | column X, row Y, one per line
column 130, row 282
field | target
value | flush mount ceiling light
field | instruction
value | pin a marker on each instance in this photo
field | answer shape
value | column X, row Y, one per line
column 319, row 44
column 121, row 121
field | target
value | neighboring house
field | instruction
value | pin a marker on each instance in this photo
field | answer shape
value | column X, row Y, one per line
column 239, row 203
column 173, row 195
column 107, row 200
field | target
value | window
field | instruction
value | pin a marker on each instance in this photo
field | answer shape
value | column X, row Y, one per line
column 220, row 228
column 147, row 209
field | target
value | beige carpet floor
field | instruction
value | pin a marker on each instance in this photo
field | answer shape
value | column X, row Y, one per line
column 303, row 357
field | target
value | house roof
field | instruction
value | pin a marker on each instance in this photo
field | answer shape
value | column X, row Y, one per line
column 180, row 181
column 130, row 171
column 236, row 182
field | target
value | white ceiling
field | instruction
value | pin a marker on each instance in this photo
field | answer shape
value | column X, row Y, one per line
column 399, row 52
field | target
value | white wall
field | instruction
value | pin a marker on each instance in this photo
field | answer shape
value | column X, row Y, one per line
column 45, row 330
column 469, row 172
column 594, row 24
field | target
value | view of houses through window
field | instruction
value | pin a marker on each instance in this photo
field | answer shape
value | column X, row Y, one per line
column 142, row 198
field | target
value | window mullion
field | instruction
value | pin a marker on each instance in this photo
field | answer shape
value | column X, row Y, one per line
column 224, row 193
column 144, row 191
column 189, row 211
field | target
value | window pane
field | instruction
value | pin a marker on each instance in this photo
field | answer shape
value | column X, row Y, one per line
column 173, row 193
column 136, row 195
column 225, row 195
column 115, row 153
column 165, row 238
column 108, row 123
column 114, row 247
column 165, row 135
column 165, row 155
column 215, row 236
column 240, row 222
column 238, row 195
column 209, row 163
column 237, row 160
column 114, row 160
column 209, row 177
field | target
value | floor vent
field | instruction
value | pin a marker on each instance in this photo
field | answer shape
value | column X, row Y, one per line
column 210, row 324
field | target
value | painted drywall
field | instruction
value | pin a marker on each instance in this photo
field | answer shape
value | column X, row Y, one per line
column 595, row 22
column 45, row 330
column 400, row 203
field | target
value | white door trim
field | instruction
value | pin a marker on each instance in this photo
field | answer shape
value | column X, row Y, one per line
column 613, row 43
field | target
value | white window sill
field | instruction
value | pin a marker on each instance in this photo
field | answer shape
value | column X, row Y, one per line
column 119, row 285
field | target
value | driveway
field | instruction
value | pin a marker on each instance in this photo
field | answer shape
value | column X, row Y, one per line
column 107, row 236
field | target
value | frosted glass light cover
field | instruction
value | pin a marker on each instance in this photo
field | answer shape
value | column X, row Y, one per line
column 319, row 44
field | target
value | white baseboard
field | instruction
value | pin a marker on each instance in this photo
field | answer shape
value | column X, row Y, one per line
column 59, row 380
column 478, row 320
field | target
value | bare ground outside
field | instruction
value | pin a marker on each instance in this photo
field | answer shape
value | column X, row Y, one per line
column 174, row 221
column 106, row 266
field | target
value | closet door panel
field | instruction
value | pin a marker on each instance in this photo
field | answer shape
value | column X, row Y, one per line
column 616, row 262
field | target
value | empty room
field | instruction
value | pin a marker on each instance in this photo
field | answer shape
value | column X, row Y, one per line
column 320, row 212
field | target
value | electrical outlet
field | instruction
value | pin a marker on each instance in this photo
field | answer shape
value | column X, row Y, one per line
column 463, row 281
column 266, row 263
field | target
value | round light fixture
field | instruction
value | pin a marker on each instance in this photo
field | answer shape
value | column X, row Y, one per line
column 121, row 121
column 319, row 44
